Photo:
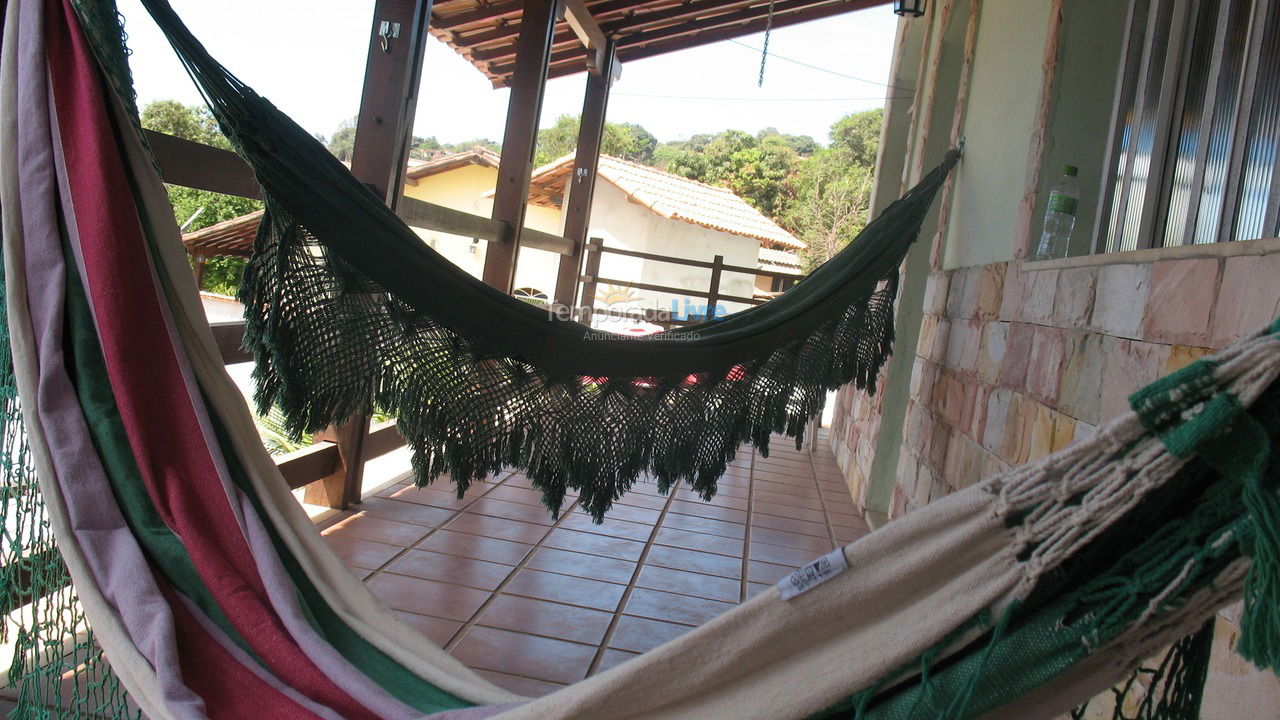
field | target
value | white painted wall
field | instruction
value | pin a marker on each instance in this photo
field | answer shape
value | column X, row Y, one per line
column 630, row 226
column 622, row 223
column 1000, row 115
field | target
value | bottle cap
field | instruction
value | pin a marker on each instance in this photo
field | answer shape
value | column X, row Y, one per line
column 1071, row 170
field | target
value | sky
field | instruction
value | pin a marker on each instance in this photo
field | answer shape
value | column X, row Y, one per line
column 307, row 57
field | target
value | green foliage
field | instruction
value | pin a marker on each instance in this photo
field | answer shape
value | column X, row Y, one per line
column 832, row 195
column 759, row 169
column 343, row 141
column 628, row 141
column 859, row 135
column 193, row 208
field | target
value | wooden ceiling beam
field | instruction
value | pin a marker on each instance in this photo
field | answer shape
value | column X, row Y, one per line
column 686, row 10
column 588, row 31
column 738, row 18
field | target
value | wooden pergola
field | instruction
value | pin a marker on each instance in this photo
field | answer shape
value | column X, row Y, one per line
column 518, row 44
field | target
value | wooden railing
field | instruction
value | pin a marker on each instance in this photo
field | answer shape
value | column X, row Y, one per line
column 591, row 278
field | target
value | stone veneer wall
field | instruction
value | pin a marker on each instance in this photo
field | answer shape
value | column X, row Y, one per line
column 1017, row 360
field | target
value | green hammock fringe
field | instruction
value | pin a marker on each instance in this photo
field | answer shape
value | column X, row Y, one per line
column 348, row 310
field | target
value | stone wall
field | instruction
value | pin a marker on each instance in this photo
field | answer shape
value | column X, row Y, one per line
column 1017, row 360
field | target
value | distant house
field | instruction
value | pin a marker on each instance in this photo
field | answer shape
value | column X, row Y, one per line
column 638, row 208
column 647, row 210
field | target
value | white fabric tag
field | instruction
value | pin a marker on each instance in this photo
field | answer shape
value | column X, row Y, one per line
column 814, row 574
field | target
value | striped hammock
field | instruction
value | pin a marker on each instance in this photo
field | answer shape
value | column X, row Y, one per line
column 212, row 595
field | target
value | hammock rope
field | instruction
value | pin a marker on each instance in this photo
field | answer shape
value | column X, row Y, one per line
column 347, row 310
column 213, row 596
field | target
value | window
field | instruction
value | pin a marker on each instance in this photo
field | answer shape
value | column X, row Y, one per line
column 1197, row 126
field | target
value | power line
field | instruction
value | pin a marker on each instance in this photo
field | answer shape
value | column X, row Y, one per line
column 819, row 68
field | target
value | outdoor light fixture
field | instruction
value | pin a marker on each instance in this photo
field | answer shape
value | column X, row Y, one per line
column 913, row 8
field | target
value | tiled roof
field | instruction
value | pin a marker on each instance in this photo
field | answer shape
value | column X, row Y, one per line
column 668, row 195
column 444, row 162
column 778, row 261
column 229, row 237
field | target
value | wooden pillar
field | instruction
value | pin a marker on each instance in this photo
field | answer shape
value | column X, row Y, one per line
column 197, row 269
column 384, row 128
column 519, row 141
column 713, row 293
column 583, row 181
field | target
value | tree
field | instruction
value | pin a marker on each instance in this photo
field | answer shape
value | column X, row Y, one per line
column 628, row 141
column 758, row 170
column 343, row 141
column 830, row 206
column 200, row 208
column 859, row 135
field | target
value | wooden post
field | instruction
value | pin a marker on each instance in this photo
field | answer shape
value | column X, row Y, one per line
column 583, row 181
column 197, row 269
column 713, row 294
column 393, row 72
column 519, row 141
column 589, row 276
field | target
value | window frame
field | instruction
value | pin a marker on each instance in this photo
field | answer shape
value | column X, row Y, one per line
column 1134, row 75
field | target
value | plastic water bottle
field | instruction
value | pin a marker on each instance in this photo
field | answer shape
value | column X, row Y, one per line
column 1060, row 217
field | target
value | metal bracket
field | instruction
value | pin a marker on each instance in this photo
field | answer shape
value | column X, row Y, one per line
column 388, row 30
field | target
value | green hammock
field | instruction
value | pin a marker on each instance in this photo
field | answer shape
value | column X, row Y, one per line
column 348, row 309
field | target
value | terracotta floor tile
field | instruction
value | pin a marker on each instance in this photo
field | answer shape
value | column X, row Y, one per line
column 613, row 658
column 582, row 565
column 678, row 558
column 658, row 605
column 705, row 525
column 427, row 597
column 520, row 685
column 536, row 514
column 476, row 546
column 613, row 528
column 404, row 512
column 687, row 583
column 788, row 500
column 720, row 500
column 841, row 519
column 487, row 526
column 792, row 540
column 801, row 527
column 590, row 543
column 788, row 511
column 707, row 510
column 367, row 527
column 566, row 589
column 639, row 635
column 362, row 553
column 763, row 572
column 510, row 493
column 539, row 617
column 803, row 489
column 528, row 655
column 438, row 496
column 779, row 555
column 651, row 502
column 454, row 569
column 754, row 589
column 630, row 513
column 437, row 630
column 701, row 542
column 848, row 535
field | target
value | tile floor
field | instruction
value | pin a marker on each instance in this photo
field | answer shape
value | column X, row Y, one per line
column 533, row 603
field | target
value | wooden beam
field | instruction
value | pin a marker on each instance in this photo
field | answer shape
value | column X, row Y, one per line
column 392, row 75
column 519, row 141
column 229, row 337
column 738, row 18
column 204, row 167
column 588, row 31
column 659, row 43
column 429, row 216
column 595, row 106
